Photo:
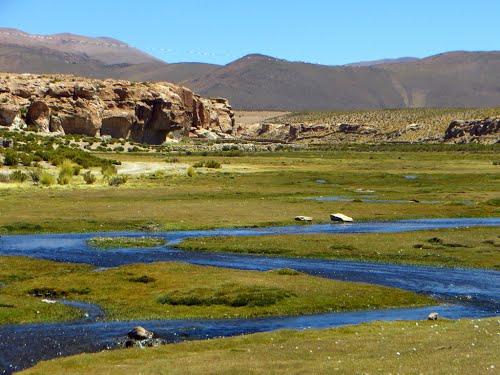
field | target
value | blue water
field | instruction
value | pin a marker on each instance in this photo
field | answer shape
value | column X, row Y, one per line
column 464, row 293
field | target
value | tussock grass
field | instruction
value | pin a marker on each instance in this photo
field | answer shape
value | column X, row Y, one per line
column 176, row 290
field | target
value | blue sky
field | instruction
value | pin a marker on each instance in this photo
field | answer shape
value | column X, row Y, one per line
column 320, row 31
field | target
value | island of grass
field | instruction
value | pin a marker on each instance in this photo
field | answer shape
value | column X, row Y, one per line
column 177, row 290
column 466, row 247
column 443, row 347
column 125, row 242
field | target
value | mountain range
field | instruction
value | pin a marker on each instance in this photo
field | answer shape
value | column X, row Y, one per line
column 452, row 79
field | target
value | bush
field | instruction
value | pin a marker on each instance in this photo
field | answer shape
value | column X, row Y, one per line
column 4, row 177
column 108, row 171
column 64, row 178
column 190, row 172
column 213, row 164
column 89, row 178
column 18, row 176
column 35, row 176
column 46, row 179
column 25, row 159
column 199, row 164
column 117, row 180
column 66, row 168
column 11, row 158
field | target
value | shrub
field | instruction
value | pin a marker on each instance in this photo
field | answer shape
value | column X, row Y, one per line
column 18, row 176
column 4, row 177
column 64, row 179
column 172, row 160
column 46, row 179
column 117, row 180
column 199, row 164
column 108, row 171
column 89, row 178
column 25, row 159
column 66, row 168
column 11, row 158
column 213, row 164
column 190, row 172
column 35, row 176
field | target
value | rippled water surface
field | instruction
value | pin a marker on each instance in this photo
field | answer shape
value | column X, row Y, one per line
column 464, row 292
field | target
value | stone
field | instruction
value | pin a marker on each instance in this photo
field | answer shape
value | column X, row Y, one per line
column 144, row 112
column 341, row 218
column 433, row 316
column 140, row 333
column 39, row 115
column 303, row 218
column 460, row 131
column 8, row 113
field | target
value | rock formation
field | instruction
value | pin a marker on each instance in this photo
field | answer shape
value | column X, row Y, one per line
column 468, row 131
column 144, row 112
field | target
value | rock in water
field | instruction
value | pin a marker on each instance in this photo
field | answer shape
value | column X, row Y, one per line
column 433, row 316
column 303, row 218
column 338, row 217
column 140, row 333
column 140, row 337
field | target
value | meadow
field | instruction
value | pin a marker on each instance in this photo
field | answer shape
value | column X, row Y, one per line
column 466, row 247
column 177, row 290
column 444, row 347
column 257, row 190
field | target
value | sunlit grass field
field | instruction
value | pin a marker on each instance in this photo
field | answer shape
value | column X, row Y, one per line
column 177, row 290
column 263, row 189
column 443, row 347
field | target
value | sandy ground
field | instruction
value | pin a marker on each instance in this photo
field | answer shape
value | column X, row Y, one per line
column 138, row 168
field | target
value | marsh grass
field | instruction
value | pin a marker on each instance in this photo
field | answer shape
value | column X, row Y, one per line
column 271, row 189
column 125, row 242
column 227, row 294
column 177, row 290
column 466, row 247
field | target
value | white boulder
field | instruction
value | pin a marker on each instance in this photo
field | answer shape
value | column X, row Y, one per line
column 341, row 218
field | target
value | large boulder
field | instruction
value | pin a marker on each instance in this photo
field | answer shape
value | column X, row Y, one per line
column 8, row 113
column 145, row 112
column 338, row 217
column 473, row 130
column 39, row 115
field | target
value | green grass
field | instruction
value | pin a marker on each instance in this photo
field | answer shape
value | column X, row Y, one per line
column 467, row 247
column 177, row 290
column 443, row 347
column 263, row 189
column 125, row 242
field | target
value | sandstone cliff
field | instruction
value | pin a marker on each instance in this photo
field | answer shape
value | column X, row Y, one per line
column 144, row 112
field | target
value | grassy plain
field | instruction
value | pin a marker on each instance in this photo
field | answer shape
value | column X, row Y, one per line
column 178, row 290
column 262, row 189
column 471, row 247
column 443, row 347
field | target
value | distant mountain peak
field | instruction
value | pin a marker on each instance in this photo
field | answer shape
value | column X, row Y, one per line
column 398, row 60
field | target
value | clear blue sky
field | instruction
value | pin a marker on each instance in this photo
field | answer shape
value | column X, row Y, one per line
column 319, row 31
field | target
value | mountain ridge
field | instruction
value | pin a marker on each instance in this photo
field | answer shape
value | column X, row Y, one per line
column 257, row 81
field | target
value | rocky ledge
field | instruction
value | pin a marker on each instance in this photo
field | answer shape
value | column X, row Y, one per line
column 461, row 131
column 143, row 112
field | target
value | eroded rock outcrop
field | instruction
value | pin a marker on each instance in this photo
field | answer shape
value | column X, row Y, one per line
column 144, row 112
column 486, row 130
